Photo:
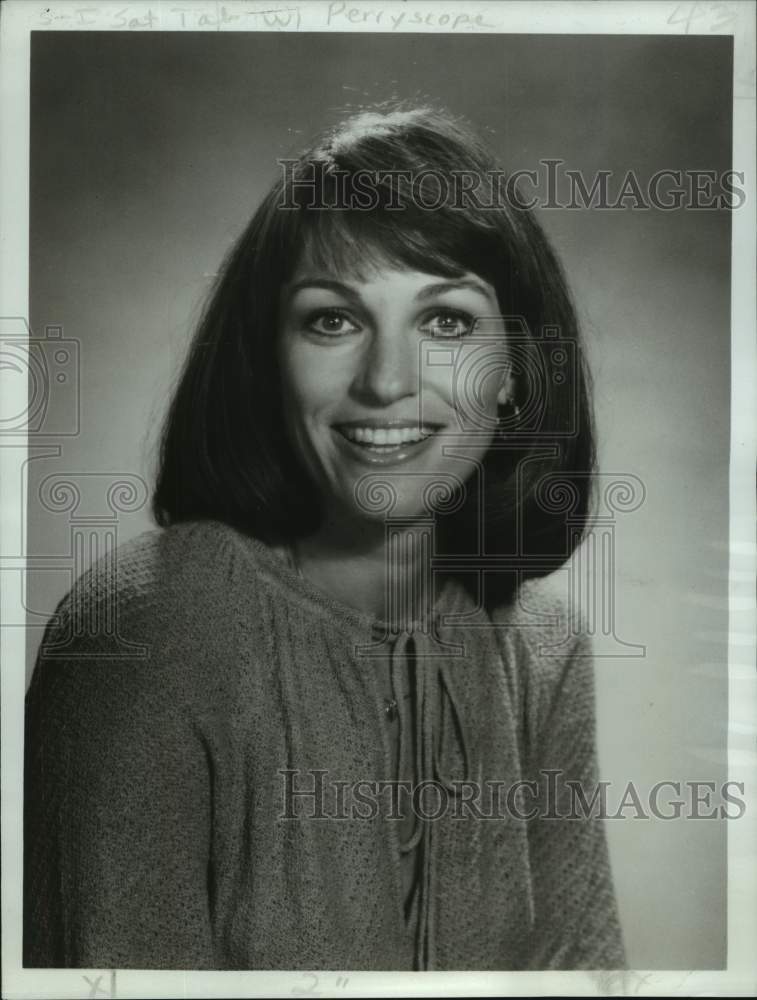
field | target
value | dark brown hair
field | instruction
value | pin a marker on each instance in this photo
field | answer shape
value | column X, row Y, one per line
column 224, row 451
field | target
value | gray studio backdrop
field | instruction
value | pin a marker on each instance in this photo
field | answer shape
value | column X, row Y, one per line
column 148, row 154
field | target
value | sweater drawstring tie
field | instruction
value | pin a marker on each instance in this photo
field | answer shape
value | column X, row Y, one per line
column 434, row 686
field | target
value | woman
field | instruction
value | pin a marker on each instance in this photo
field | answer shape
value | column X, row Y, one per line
column 341, row 720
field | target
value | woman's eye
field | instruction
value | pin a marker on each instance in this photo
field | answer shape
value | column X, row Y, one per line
column 448, row 323
column 331, row 323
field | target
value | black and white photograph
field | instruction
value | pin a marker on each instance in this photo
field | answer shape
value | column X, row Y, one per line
column 378, row 499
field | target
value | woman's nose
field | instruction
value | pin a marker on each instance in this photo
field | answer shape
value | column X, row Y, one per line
column 389, row 369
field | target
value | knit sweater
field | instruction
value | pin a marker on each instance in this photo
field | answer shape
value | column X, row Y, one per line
column 206, row 738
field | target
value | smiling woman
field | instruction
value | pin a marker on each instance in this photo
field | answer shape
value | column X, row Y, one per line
column 356, row 394
column 356, row 500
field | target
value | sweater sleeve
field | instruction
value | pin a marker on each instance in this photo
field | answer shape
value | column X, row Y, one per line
column 576, row 924
column 117, row 813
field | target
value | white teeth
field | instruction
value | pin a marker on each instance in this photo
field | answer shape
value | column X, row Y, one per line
column 382, row 436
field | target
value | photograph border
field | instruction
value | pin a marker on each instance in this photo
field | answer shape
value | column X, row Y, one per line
column 18, row 18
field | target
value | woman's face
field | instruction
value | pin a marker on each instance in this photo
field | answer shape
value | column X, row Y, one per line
column 386, row 377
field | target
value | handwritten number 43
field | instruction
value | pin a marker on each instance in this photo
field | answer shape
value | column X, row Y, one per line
column 720, row 15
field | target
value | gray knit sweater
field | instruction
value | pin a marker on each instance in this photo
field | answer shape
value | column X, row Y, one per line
column 186, row 693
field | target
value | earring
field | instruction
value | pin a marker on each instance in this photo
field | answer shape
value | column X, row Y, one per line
column 509, row 411
column 512, row 406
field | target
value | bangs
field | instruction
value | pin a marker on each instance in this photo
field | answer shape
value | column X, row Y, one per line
column 353, row 243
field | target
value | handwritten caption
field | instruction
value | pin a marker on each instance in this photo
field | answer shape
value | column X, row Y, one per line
column 333, row 15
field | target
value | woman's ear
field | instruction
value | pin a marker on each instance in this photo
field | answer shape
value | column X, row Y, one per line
column 506, row 394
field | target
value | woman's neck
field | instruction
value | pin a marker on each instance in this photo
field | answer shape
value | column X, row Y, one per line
column 378, row 568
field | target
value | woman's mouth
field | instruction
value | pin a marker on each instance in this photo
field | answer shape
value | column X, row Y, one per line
column 385, row 443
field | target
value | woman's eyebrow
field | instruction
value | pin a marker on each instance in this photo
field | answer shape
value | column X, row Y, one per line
column 327, row 283
column 451, row 286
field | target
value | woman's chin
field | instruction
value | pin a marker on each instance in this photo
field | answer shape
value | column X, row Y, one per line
column 379, row 498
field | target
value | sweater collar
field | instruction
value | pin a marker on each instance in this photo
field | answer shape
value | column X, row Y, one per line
column 450, row 598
